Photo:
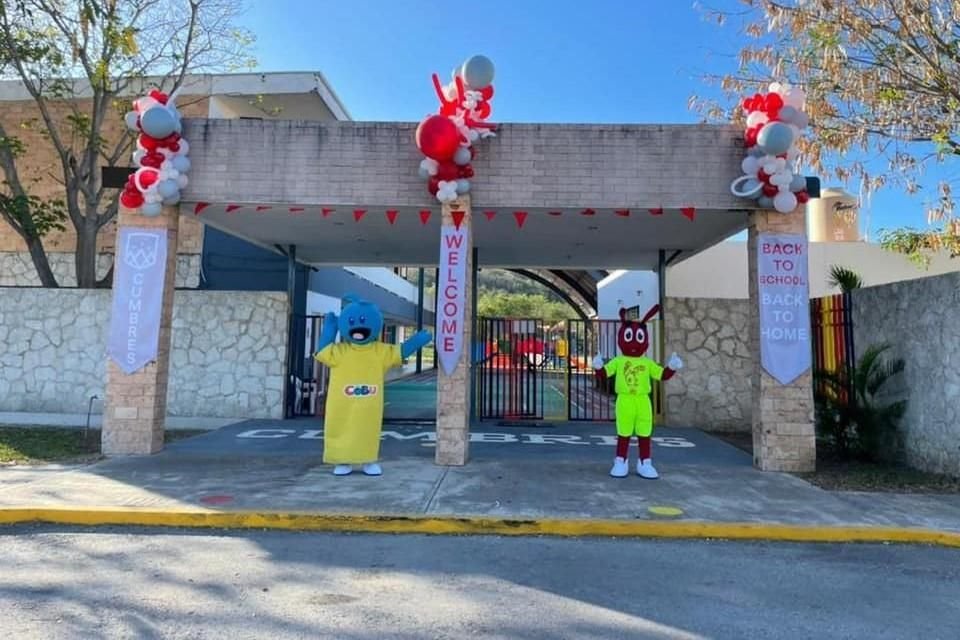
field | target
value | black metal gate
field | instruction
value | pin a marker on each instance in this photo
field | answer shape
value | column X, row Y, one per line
column 589, row 399
column 510, row 369
column 306, row 378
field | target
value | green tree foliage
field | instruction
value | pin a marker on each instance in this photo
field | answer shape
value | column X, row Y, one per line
column 89, row 57
column 844, row 279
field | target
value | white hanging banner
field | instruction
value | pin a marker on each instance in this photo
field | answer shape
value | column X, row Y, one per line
column 782, row 274
column 452, row 296
column 138, row 278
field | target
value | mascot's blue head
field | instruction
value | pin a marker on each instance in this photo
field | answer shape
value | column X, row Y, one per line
column 360, row 322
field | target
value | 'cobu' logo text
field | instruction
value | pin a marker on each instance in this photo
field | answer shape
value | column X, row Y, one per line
column 359, row 390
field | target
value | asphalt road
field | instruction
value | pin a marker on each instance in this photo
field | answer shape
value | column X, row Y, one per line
column 148, row 584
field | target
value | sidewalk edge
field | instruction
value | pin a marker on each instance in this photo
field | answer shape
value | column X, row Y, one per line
column 473, row 525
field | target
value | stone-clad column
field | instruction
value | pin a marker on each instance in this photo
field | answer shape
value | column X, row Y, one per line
column 783, row 427
column 453, row 402
column 136, row 404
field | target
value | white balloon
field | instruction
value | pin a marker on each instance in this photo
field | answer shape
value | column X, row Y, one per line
column 151, row 209
column 474, row 135
column 750, row 165
column 781, row 178
column 796, row 131
column 183, row 181
column 775, row 87
column 184, row 147
column 166, row 153
column 792, row 154
column 785, row 202
column 430, row 166
column 138, row 155
column 757, row 118
column 795, row 98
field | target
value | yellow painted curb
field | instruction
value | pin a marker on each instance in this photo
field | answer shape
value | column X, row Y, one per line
column 473, row 525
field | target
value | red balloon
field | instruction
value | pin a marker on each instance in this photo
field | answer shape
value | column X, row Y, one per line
column 466, row 171
column 750, row 138
column 487, row 92
column 447, row 171
column 148, row 143
column 770, row 190
column 175, row 147
column 437, row 137
column 152, row 159
column 433, row 185
column 763, row 176
column 159, row 96
column 148, row 178
column 131, row 199
column 803, row 197
column 774, row 102
column 483, row 110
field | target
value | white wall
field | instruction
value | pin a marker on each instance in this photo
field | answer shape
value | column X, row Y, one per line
column 319, row 304
column 387, row 279
column 625, row 289
column 721, row 271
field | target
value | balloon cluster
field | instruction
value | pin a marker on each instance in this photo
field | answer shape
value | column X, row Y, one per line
column 774, row 124
column 446, row 139
column 161, row 155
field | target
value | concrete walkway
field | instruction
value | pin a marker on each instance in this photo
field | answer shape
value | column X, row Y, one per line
column 270, row 474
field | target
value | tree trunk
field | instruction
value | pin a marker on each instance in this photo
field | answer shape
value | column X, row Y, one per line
column 86, row 257
column 41, row 263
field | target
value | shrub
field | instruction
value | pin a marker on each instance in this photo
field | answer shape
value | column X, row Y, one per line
column 852, row 412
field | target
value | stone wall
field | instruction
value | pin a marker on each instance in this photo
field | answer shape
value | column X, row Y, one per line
column 920, row 319
column 227, row 361
column 17, row 270
column 712, row 392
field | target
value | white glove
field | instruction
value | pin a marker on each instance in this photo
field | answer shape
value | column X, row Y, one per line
column 675, row 362
column 598, row 363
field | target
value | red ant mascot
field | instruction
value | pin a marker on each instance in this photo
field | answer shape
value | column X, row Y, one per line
column 633, row 371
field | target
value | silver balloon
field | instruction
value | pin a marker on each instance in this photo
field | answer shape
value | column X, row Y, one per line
column 168, row 188
column 181, row 163
column 477, row 72
column 131, row 120
column 172, row 200
column 463, row 186
column 753, row 186
column 158, row 122
column 802, row 120
column 757, row 152
column 799, row 183
column 462, row 156
column 423, row 173
column 765, row 202
column 151, row 209
column 788, row 114
column 775, row 138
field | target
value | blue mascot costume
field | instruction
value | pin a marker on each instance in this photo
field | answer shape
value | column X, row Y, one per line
column 358, row 365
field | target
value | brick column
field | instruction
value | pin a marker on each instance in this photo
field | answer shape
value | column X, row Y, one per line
column 783, row 428
column 136, row 404
column 453, row 402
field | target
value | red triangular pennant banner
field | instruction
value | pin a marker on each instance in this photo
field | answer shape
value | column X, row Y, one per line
column 588, row 212
column 689, row 212
column 490, row 214
column 358, row 214
column 326, row 212
column 296, row 209
column 233, row 207
column 521, row 217
column 264, row 207
column 623, row 213
column 658, row 211
column 424, row 216
column 457, row 217
column 391, row 215
column 200, row 207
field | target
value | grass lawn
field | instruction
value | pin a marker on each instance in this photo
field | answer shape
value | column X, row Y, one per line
column 38, row 445
column 836, row 474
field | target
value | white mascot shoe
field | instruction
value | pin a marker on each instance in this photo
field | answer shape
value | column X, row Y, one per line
column 620, row 468
column 646, row 470
column 372, row 469
column 343, row 470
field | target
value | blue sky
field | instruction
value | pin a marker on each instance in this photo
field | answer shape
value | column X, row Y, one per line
column 599, row 61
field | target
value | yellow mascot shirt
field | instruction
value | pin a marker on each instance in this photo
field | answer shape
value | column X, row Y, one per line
column 354, row 410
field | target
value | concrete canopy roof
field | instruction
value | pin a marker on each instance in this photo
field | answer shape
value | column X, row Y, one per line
column 574, row 183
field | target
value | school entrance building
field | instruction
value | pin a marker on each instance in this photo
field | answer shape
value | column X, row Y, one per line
column 547, row 198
